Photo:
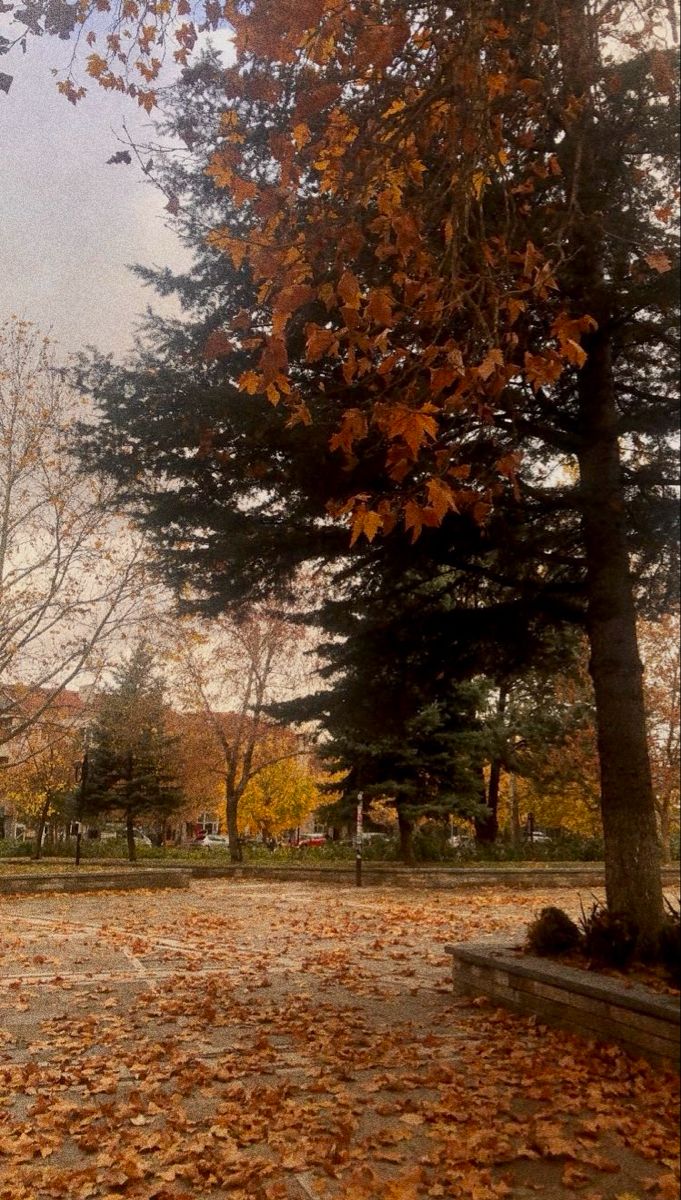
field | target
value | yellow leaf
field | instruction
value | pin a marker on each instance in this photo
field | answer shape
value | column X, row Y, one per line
column 478, row 181
column 250, row 382
column 96, row 65
column 395, row 107
column 301, row 135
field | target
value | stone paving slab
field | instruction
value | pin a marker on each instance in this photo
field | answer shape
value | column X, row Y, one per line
column 235, row 1041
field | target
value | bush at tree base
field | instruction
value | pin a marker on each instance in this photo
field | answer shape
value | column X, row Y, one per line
column 553, row 932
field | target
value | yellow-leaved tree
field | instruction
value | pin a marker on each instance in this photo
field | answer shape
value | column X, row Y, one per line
column 280, row 797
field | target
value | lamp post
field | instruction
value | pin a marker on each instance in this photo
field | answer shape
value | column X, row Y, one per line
column 358, row 840
column 81, row 800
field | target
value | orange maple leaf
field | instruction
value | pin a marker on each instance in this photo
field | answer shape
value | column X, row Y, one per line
column 365, row 522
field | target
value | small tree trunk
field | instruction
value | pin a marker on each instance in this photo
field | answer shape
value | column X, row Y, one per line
column 130, row 834
column 515, row 811
column 406, row 830
column 231, row 815
column 632, row 849
column 665, row 818
column 487, row 824
column 42, row 821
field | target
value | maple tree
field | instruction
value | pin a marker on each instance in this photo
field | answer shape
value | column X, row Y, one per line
column 227, row 676
column 443, row 280
column 131, row 759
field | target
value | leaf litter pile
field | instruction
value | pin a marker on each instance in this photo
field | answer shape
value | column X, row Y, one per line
column 294, row 1042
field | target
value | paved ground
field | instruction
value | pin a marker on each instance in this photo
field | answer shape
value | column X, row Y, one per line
column 289, row 1042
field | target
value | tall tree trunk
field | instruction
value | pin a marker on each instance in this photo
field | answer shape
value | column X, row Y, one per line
column 42, row 821
column 130, row 834
column 487, row 823
column 665, row 822
column 515, row 810
column 406, row 830
column 231, row 815
column 632, row 849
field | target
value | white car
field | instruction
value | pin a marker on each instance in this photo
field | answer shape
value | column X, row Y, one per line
column 112, row 833
column 212, row 841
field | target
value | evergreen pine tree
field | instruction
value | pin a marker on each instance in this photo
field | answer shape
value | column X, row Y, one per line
column 130, row 757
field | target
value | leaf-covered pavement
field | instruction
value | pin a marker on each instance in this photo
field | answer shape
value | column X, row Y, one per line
column 291, row 1042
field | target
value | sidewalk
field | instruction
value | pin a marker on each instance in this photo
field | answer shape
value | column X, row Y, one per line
column 240, row 1042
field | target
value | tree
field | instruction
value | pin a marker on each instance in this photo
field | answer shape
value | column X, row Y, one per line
column 660, row 649
column 540, row 727
column 494, row 214
column 439, row 276
column 39, row 779
column 228, row 674
column 71, row 575
column 132, row 765
column 280, row 796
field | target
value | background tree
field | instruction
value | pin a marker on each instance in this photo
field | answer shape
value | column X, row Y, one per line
column 660, row 650
column 71, row 575
column 281, row 795
column 227, row 676
column 39, row 782
column 132, row 766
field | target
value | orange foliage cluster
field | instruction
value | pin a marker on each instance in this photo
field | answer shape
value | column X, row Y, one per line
column 420, row 311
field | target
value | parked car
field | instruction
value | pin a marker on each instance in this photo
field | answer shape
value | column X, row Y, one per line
column 312, row 839
column 538, row 838
column 212, row 841
column 461, row 841
column 111, row 833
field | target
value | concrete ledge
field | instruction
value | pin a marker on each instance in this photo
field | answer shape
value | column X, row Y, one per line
column 395, row 875
column 547, row 876
column 643, row 1022
column 94, row 881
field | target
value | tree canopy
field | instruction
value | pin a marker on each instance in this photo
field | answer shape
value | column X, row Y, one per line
column 441, row 243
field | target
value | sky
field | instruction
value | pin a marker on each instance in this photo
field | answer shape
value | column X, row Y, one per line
column 69, row 223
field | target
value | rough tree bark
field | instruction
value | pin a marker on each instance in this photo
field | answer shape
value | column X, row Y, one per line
column 632, row 849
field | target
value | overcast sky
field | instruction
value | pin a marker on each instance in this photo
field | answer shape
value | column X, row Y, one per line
column 69, row 223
